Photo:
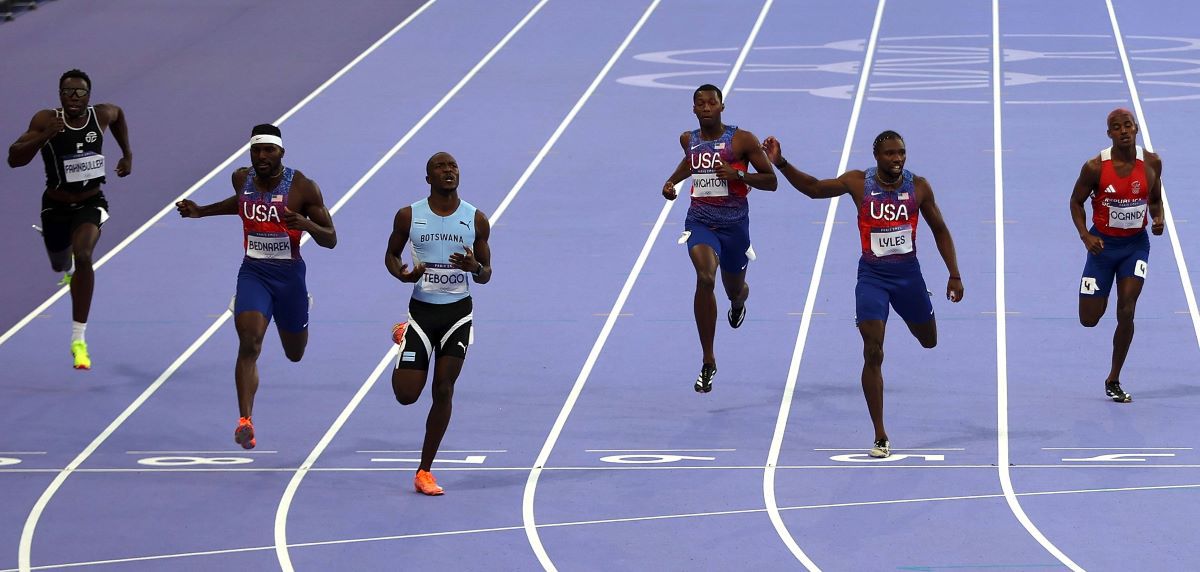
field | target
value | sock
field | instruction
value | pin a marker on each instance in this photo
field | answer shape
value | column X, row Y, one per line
column 77, row 329
column 71, row 270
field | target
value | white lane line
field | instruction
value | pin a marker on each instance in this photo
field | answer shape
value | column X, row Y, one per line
column 527, row 512
column 222, row 452
column 810, row 302
column 26, row 541
column 281, row 514
column 441, row 451
column 1184, row 277
column 170, row 207
column 1116, row 448
column 657, row 450
column 594, row 522
column 285, row 502
column 1002, row 444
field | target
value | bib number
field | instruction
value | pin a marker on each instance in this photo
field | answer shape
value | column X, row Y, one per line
column 444, row 281
column 1127, row 217
column 269, row 247
column 709, row 185
column 894, row 242
column 85, row 167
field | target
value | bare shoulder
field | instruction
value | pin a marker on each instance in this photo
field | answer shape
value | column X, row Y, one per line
column 1153, row 160
column 684, row 138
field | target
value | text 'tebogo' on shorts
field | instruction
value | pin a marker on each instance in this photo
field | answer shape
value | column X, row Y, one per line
column 898, row 284
column 435, row 330
column 1122, row 257
column 274, row 288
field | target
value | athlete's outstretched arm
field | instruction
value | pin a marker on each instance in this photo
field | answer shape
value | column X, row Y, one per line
column 42, row 128
column 746, row 145
column 395, row 248
column 805, row 183
column 941, row 237
column 1156, row 206
column 314, row 218
column 114, row 117
column 1089, row 177
column 189, row 209
column 477, row 261
column 682, row 171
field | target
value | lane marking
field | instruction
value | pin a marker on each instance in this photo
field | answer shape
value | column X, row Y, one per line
column 285, row 502
column 591, row 522
column 1184, row 276
column 170, row 207
column 527, row 512
column 1002, row 445
column 810, row 302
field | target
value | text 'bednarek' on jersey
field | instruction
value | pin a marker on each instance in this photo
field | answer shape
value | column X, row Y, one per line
column 265, row 234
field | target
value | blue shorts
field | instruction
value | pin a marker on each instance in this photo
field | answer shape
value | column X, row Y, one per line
column 1122, row 257
column 730, row 241
column 898, row 284
column 274, row 288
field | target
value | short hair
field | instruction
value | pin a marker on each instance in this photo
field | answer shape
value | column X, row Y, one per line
column 1119, row 111
column 74, row 73
column 889, row 134
column 266, row 129
column 708, row 87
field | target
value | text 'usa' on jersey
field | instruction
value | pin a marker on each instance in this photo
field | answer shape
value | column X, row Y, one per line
column 714, row 199
column 73, row 158
column 266, row 235
column 434, row 238
column 887, row 219
column 1119, row 203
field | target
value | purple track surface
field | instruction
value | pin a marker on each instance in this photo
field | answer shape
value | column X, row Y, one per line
column 577, row 442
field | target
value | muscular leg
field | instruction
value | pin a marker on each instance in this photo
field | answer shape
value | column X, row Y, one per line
column 736, row 288
column 445, row 373
column 704, row 258
column 925, row 332
column 294, row 343
column 1091, row 309
column 251, row 327
column 60, row 261
column 1128, row 291
column 872, row 373
column 83, row 241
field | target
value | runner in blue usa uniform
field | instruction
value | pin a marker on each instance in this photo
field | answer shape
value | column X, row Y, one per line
column 717, row 228
column 889, row 199
column 449, row 239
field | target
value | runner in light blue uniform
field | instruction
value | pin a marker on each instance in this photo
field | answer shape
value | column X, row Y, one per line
column 449, row 250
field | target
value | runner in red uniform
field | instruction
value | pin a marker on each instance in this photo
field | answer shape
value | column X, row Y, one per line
column 1123, row 185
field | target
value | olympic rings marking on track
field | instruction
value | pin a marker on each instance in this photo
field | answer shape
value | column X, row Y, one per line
column 652, row 459
column 185, row 461
column 1039, row 69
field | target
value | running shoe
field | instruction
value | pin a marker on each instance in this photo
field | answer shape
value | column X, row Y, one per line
column 704, row 381
column 881, row 449
column 398, row 333
column 65, row 280
column 736, row 317
column 244, row 434
column 1113, row 390
column 80, row 353
column 426, row 484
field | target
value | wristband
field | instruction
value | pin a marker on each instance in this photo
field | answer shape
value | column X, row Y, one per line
column 782, row 164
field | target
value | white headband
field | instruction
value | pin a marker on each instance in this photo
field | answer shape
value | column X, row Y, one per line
column 272, row 139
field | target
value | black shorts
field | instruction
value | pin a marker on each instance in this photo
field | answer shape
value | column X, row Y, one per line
column 437, row 330
column 59, row 220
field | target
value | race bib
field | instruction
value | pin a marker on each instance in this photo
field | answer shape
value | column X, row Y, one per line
column 709, row 185
column 1127, row 217
column 87, row 166
column 444, row 281
column 893, row 242
column 269, row 247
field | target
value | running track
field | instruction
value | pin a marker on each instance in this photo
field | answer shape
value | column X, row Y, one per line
column 577, row 443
